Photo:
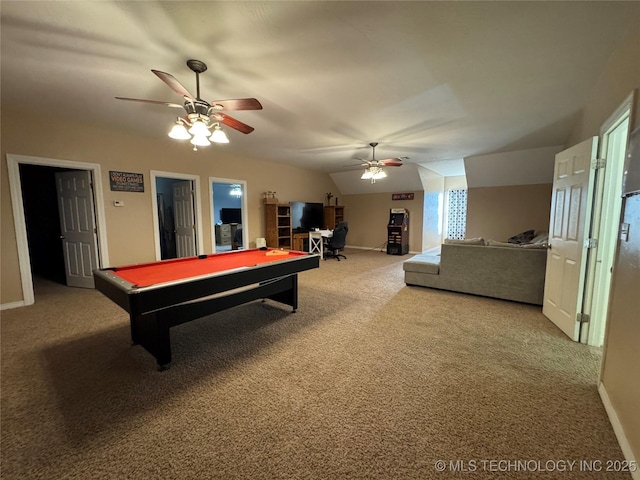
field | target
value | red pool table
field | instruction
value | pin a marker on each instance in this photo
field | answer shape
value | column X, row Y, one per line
column 161, row 295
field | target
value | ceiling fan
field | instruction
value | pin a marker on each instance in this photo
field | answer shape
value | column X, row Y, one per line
column 201, row 116
column 373, row 168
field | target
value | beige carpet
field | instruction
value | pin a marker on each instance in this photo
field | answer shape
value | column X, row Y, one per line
column 370, row 379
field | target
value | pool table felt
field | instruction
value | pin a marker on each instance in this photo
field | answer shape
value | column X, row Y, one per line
column 177, row 269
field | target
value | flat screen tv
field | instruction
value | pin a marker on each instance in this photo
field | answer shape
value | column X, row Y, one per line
column 305, row 216
column 231, row 215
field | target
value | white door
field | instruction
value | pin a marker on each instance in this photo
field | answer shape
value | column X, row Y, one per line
column 77, row 227
column 184, row 218
column 571, row 205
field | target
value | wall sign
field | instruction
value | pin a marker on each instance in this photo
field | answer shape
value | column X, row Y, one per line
column 402, row 196
column 126, row 181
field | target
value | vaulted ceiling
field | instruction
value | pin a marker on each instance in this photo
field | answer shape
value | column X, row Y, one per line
column 434, row 81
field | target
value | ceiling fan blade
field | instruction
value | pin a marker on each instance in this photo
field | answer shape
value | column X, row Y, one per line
column 392, row 162
column 157, row 102
column 237, row 104
column 357, row 165
column 233, row 123
column 175, row 85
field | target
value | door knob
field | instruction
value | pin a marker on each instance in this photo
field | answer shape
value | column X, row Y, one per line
column 62, row 237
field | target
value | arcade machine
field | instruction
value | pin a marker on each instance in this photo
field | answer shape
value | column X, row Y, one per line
column 398, row 232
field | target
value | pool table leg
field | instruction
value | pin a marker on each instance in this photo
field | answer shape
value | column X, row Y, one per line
column 134, row 336
column 151, row 330
column 289, row 295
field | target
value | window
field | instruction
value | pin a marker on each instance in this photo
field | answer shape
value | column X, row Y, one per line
column 456, row 214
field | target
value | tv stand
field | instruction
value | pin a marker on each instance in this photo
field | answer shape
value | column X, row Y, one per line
column 299, row 240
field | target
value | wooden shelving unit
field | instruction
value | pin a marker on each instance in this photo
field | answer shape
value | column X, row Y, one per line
column 278, row 233
column 333, row 215
column 278, row 225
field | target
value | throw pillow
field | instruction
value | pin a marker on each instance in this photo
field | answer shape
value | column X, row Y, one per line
column 524, row 237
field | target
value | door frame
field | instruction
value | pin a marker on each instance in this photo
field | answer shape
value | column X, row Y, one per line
column 245, row 210
column 154, row 174
column 17, row 205
column 595, row 303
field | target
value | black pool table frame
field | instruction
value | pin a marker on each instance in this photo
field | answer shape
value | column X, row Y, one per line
column 155, row 309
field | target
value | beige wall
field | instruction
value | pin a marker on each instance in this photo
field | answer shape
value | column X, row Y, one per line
column 501, row 212
column 458, row 182
column 368, row 216
column 130, row 228
column 620, row 376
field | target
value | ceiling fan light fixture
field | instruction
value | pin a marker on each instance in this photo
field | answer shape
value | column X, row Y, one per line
column 236, row 191
column 379, row 174
column 200, row 141
column 373, row 173
column 368, row 174
column 218, row 135
column 179, row 132
column 199, row 128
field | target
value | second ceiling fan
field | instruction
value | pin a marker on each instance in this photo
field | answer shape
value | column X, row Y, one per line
column 374, row 168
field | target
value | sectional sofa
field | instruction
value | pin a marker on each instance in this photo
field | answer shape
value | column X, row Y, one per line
column 509, row 272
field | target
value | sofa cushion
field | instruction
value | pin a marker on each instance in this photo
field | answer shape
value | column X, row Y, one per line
column 464, row 241
column 534, row 245
column 422, row 264
column 495, row 243
column 541, row 238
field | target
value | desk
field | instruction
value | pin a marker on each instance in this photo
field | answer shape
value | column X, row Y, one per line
column 161, row 295
column 316, row 241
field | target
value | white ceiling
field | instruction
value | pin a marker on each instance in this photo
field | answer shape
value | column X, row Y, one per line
column 435, row 81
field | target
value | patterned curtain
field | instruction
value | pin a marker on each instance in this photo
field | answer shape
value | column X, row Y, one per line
column 456, row 214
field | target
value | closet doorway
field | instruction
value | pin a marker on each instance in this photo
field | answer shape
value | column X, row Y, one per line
column 35, row 177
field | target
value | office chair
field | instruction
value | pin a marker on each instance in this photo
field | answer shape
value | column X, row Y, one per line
column 237, row 239
column 337, row 242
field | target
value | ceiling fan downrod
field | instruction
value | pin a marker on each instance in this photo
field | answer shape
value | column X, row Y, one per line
column 197, row 67
column 373, row 145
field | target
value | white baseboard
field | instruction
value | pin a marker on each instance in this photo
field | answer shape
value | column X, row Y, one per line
column 618, row 430
column 7, row 306
column 382, row 249
column 373, row 249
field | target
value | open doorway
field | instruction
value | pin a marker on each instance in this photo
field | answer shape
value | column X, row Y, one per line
column 583, row 230
column 228, row 214
column 24, row 171
column 614, row 136
column 177, row 215
column 42, row 221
